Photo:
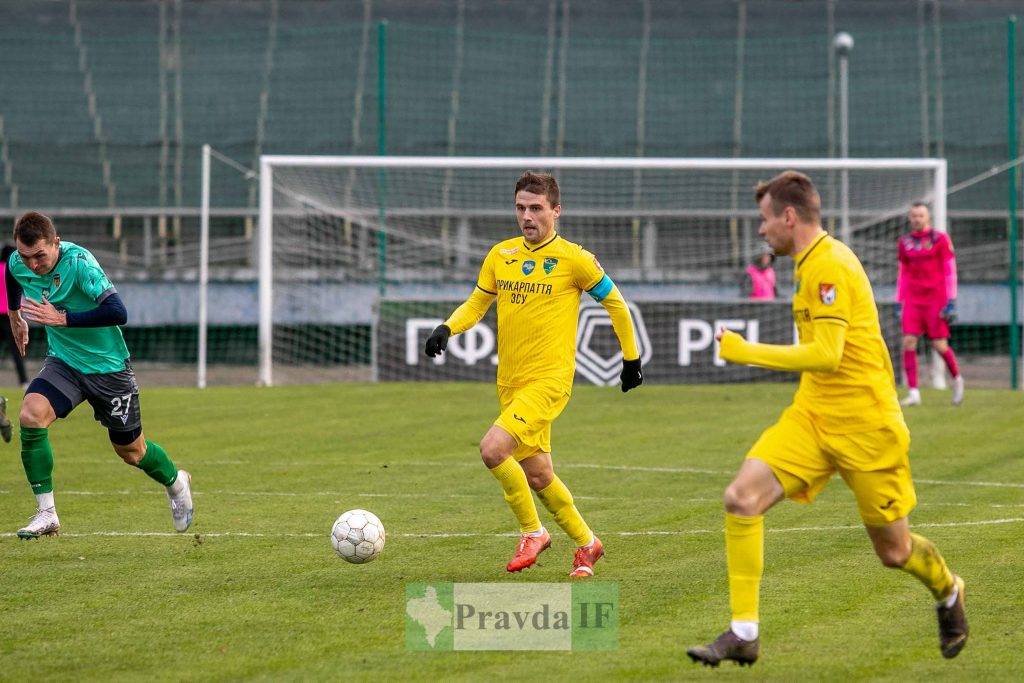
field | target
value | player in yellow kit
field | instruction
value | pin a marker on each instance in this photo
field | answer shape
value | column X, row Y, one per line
column 845, row 418
column 537, row 280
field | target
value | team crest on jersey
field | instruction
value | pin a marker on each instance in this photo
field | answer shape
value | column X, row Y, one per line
column 549, row 265
column 827, row 293
column 56, row 281
column 509, row 251
column 919, row 243
column 528, row 266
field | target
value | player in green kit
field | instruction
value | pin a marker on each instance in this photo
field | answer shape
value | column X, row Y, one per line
column 60, row 285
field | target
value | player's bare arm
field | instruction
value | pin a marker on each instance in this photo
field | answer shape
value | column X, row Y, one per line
column 19, row 328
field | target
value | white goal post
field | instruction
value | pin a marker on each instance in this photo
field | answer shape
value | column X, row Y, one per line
column 393, row 221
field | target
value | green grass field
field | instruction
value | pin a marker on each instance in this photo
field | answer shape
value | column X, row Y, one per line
column 256, row 591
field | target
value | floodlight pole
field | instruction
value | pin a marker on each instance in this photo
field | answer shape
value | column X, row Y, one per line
column 204, row 267
column 842, row 43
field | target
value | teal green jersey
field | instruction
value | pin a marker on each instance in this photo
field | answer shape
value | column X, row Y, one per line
column 77, row 283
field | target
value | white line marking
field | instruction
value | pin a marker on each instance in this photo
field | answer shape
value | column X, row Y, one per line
column 346, row 494
column 999, row 484
column 482, row 494
column 288, row 494
column 577, row 465
column 475, row 534
column 561, row 465
column 922, row 525
column 158, row 534
column 583, row 465
column 643, row 468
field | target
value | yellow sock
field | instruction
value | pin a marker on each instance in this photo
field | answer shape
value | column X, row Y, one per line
column 517, row 494
column 744, row 552
column 926, row 563
column 558, row 501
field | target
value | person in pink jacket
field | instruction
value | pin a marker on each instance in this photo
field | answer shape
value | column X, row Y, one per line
column 926, row 287
column 7, row 339
column 759, row 279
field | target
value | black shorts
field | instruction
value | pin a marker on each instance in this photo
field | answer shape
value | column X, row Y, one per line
column 114, row 396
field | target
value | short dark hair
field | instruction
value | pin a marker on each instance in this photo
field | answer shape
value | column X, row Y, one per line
column 34, row 226
column 792, row 188
column 921, row 204
column 539, row 183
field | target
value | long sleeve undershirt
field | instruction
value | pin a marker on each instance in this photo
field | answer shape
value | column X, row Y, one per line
column 110, row 312
column 14, row 291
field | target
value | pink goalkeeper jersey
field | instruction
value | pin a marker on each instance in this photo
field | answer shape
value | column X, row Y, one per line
column 927, row 268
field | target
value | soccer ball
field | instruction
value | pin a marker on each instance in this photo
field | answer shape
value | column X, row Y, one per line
column 358, row 536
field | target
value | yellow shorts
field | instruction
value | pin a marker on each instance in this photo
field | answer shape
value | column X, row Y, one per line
column 527, row 413
column 873, row 464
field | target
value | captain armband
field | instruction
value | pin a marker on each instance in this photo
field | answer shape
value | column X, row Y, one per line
column 602, row 289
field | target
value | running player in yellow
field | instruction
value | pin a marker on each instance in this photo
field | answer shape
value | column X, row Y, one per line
column 845, row 418
column 538, row 279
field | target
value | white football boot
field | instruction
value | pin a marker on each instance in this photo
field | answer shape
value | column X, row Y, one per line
column 958, row 390
column 181, row 502
column 43, row 523
column 913, row 398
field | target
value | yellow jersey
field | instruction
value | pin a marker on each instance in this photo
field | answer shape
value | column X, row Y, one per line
column 538, row 289
column 830, row 285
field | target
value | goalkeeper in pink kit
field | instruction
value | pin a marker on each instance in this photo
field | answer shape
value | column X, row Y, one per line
column 926, row 286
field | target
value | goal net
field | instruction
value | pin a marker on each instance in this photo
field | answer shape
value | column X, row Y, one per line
column 359, row 257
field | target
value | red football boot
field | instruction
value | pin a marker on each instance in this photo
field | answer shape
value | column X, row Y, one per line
column 586, row 556
column 527, row 551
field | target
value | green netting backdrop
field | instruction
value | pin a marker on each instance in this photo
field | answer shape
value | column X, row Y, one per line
column 106, row 105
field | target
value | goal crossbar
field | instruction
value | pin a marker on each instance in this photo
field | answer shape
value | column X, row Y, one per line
column 606, row 163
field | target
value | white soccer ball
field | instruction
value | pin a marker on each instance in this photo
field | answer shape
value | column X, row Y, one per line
column 358, row 536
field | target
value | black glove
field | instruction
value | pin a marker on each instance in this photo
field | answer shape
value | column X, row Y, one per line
column 631, row 376
column 438, row 340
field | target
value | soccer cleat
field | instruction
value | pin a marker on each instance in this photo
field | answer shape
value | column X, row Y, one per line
column 586, row 556
column 726, row 646
column 181, row 504
column 43, row 523
column 913, row 398
column 953, row 623
column 527, row 551
column 958, row 390
column 5, row 422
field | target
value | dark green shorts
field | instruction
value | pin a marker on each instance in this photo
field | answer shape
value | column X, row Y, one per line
column 114, row 396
